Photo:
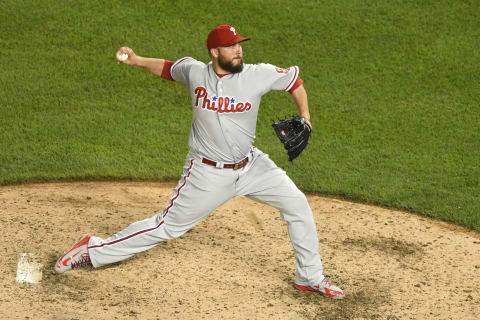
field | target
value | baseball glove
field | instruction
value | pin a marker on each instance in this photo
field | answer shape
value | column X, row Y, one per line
column 294, row 134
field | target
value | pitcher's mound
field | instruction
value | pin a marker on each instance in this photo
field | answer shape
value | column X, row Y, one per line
column 236, row 264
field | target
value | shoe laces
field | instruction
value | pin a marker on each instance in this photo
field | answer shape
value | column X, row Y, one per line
column 84, row 259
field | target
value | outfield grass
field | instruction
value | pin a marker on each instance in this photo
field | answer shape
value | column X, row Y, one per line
column 393, row 91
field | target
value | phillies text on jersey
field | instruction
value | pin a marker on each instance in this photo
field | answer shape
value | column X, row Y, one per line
column 219, row 104
column 225, row 109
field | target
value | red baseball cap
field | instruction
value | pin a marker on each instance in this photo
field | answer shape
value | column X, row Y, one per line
column 223, row 36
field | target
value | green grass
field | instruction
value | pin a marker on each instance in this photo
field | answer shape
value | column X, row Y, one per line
column 393, row 92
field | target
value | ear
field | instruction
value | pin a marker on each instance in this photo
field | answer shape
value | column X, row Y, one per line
column 214, row 52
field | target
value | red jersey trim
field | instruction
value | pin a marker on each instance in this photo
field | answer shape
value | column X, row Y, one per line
column 297, row 84
column 167, row 66
column 175, row 64
column 294, row 79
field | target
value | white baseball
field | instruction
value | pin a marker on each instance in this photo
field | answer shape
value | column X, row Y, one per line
column 122, row 57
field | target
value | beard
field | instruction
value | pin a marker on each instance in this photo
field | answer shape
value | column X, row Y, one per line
column 228, row 65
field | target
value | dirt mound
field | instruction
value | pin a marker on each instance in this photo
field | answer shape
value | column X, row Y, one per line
column 236, row 264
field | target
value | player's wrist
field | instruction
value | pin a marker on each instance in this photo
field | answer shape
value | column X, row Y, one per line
column 139, row 61
column 307, row 121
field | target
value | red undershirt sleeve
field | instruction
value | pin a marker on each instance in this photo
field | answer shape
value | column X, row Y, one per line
column 167, row 66
column 297, row 84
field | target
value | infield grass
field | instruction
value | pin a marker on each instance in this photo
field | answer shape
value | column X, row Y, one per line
column 393, row 89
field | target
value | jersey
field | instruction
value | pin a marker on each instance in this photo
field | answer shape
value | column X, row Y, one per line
column 225, row 109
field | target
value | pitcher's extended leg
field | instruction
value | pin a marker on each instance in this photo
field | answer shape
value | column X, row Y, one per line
column 200, row 191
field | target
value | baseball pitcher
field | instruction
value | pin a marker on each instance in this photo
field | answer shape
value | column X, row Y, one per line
column 222, row 162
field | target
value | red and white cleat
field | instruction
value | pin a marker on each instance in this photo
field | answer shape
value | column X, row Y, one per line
column 325, row 287
column 76, row 257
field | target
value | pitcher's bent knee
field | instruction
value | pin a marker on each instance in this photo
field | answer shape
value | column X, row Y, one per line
column 297, row 205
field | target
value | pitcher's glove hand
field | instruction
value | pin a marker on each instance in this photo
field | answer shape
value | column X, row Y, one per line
column 294, row 134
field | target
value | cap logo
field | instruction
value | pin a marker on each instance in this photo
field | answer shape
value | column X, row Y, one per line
column 233, row 30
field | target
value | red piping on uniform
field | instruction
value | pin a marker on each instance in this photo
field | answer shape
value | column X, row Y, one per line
column 294, row 78
column 297, row 84
column 178, row 191
column 161, row 222
column 175, row 64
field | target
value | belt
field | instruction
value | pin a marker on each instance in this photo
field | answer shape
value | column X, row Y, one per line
column 234, row 166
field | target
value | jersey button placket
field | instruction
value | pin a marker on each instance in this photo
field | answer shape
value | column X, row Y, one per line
column 219, row 88
column 224, row 129
column 219, row 92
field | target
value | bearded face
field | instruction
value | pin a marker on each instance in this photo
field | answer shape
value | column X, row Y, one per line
column 230, row 58
column 233, row 65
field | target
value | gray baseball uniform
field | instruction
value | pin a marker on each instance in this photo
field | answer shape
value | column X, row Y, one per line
column 223, row 128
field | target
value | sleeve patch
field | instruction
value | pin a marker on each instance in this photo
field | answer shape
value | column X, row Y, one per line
column 280, row 70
